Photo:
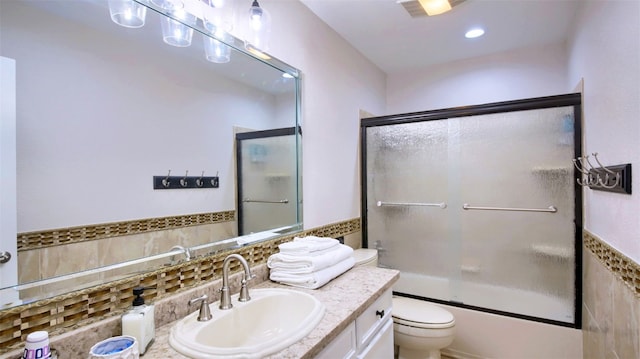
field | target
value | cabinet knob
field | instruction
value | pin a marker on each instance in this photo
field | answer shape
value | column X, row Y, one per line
column 380, row 313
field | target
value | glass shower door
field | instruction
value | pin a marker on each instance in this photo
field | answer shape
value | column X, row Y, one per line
column 479, row 211
column 266, row 166
column 517, row 231
column 408, row 218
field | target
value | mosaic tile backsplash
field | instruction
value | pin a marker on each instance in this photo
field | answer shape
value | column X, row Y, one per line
column 66, row 312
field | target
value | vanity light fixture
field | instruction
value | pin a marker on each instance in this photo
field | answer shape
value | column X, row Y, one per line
column 218, row 18
column 435, row 7
column 127, row 13
column 174, row 32
column 218, row 15
column 215, row 50
column 170, row 5
column 473, row 33
column 259, row 29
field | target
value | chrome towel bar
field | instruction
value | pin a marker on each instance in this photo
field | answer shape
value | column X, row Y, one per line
column 441, row 205
column 550, row 209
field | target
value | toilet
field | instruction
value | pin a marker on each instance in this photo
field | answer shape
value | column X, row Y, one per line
column 421, row 329
column 366, row 257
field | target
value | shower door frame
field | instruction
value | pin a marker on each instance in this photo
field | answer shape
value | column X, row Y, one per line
column 573, row 99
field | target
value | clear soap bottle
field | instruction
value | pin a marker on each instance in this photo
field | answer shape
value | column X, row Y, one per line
column 139, row 321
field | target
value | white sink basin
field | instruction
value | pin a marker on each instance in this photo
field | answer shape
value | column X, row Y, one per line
column 271, row 321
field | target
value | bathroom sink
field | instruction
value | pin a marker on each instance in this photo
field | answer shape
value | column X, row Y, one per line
column 272, row 320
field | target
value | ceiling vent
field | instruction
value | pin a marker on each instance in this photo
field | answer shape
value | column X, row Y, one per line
column 414, row 8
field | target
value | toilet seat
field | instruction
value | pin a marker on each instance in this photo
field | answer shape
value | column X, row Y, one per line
column 420, row 314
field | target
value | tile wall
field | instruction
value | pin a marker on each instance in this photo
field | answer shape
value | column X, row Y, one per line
column 611, row 302
column 63, row 313
column 62, row 251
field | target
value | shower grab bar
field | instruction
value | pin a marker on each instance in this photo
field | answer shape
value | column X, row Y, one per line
column 249, row 200
column 441, row 205
column 550, row 209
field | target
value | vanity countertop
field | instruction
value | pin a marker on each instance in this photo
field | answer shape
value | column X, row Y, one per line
column 345, row 298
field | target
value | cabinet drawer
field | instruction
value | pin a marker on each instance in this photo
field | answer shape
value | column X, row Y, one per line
column 343, row 346
column 381, row 347
column 374, row 317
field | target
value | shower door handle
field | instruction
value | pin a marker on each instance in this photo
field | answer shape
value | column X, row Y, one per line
column 411, row 204
column 550, row 209
column 249, row 200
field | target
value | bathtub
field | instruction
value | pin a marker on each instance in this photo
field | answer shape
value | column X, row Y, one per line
column 485, row 335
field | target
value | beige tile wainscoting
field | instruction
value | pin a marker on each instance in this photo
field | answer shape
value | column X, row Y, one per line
column 64, row 313
column 60, row 251
column 611, row 302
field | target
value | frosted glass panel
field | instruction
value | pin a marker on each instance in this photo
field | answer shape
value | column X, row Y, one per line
column 408, row 168
column 268, row 190
column 518, row 160
column 520, row 262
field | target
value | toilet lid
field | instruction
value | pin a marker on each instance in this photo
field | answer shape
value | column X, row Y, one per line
column 420, row 313
column 364, row 255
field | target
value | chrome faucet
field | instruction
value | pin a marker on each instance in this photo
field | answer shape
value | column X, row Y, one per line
column 186, row 251
column 225, row 296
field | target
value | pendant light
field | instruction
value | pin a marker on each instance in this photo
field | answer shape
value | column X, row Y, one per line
column 259, row 29
column 215, row 50
column 174, row 32
column 218, row 15
column 218, row 18
column 127, row 13
column 170, row 5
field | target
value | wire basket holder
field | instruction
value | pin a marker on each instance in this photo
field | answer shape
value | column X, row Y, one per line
column 615, row 178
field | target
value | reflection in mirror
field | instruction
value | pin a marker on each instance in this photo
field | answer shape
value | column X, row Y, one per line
column 101, row 110
column 265, row 170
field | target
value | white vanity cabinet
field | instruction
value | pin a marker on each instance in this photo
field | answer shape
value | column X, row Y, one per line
column 370, row 336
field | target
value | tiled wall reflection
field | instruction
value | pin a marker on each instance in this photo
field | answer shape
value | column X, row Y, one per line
column 611, row 304
column 68, row 258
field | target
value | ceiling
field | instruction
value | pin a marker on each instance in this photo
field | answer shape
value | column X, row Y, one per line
column 384, row 32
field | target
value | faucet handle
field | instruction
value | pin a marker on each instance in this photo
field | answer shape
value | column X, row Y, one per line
column 205, row 312
column 244, row 289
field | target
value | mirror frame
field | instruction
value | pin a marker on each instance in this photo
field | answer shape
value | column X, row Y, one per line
column 207, row 250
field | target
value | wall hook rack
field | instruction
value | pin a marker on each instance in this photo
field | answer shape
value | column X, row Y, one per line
column 186, row 181
column 615, row 178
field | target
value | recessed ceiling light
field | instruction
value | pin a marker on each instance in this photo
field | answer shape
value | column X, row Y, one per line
column 473, row 33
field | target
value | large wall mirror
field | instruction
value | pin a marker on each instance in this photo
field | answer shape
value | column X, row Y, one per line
column 102, row 109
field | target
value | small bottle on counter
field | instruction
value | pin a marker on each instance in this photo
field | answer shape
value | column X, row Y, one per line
column 139, row 321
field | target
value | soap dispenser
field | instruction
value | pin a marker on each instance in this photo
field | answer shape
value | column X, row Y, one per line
column 139, row 322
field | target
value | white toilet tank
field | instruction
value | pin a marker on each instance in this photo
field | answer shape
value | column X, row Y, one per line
column 366, row 257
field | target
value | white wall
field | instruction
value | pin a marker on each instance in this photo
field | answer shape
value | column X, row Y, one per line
column 513, row 75
column 89, row 142
column 605, row 52
column 337, row 82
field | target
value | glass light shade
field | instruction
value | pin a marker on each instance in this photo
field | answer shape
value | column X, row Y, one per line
column 215, row 50
column 258, row 29
column 169, row 4
column 218, row 15
column 435, row 7
column 176, row 33
column 127, row 13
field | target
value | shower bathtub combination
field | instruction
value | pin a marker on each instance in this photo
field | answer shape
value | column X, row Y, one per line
column 478, row 206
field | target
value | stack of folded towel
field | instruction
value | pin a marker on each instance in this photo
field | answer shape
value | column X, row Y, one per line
column 310, row 262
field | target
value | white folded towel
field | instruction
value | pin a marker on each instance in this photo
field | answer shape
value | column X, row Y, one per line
column 307, row 264
column 308, row 245
column 313, row 280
